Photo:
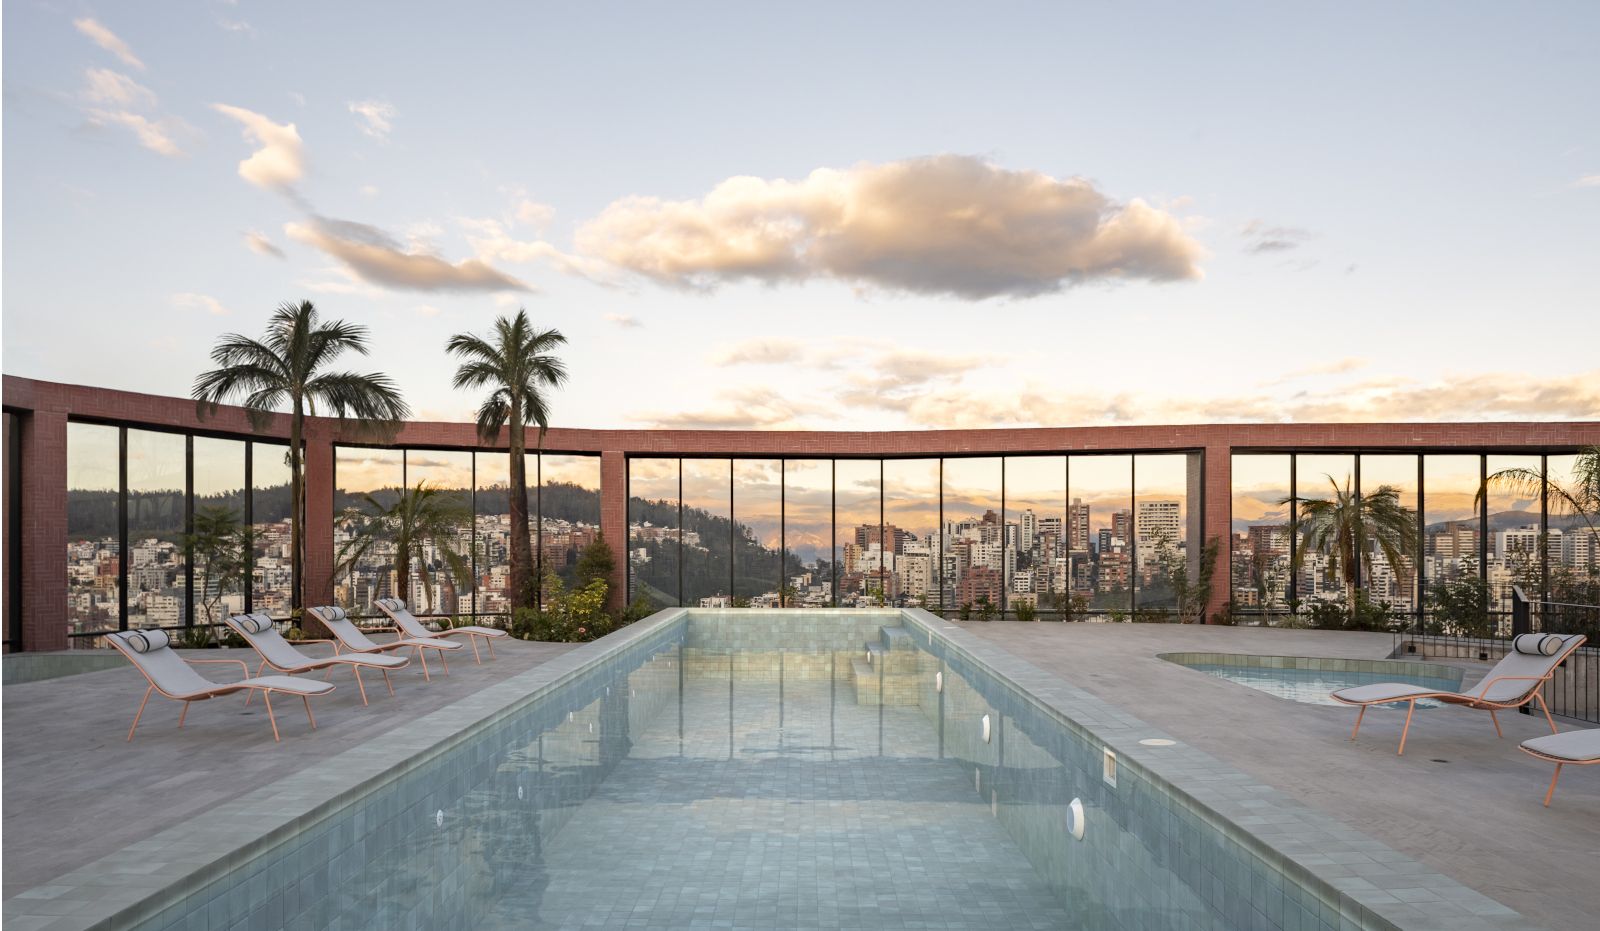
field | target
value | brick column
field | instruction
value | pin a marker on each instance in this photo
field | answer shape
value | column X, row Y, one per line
column 614, row 521
column 44, row 530
column 1219, row 523
column 317, row 582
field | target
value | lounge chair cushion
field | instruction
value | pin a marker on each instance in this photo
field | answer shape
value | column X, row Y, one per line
column 329, row 613
column 1538, row 644
column 253, row 623
column 145, row 641
column 1577, row 746
column 1385, row 692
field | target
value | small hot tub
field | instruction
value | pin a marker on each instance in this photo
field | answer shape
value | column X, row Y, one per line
column 1309, row 679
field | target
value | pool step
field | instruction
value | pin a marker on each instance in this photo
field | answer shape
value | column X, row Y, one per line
column 896, row 638
column 886, row 672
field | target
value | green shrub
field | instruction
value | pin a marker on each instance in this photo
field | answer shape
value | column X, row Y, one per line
column 1026, row 611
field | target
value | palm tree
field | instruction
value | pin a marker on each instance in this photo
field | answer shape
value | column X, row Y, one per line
column 1346, row 527
column 288, row 366
column 515, row 362
column 421, row 519
column 1580, row 497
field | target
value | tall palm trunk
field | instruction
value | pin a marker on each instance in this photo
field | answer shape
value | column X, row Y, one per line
column 522, row 588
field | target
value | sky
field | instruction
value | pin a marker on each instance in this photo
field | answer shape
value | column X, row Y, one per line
column 827, row 216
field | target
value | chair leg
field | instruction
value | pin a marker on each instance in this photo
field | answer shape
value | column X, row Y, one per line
column 359, row 686
column 1546, row 708
column 141, row 710
column 1496, row 719
column 388, row 683
column 184, row 713
column 423, row 656
column 475, row 657
column 490, row 643
column 1552, row 790
column 266, row 696
column 1411, row 709
column 329, row 676
column 445, row 661
column 309, row 716
column 1357, row 729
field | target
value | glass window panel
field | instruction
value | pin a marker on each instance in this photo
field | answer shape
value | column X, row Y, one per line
column 1450, row 539
column 367, row 484
column 1513, row 532
column 219, row 564
column 808, row 530
column 1392, row 584
column 979, row 560
column 13, row 502
column 858, row 512
column 441, row 483
column 1260, row 527
column 93, row 554
column 1036, row 502
column 1161, row 529
column 492, row 541
column 1323, row 480
column 757, row 500
column 272, row 570
column 908, row 573
column 706, row 529
column 653, row 531
column 569, row 513
column 157, row 584
column 1101, row 491
column 1574, row 543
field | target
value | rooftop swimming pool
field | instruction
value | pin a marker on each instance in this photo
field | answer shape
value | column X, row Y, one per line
column 1311, row 680
column 786, row 769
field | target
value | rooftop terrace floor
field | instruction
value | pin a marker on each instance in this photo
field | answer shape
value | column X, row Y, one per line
column 74, row 791
column 1459, row 800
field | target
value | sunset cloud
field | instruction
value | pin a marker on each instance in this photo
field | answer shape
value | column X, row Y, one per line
column 111, row 98
column 945, row 225
column 108, row 40
column 205, row 302
column 737, row 408
column 1261, row 238
column 623, row 321
column 279, row 162
column 154, row 134
column 378, row 258
column 261, row 245
column 758, row 352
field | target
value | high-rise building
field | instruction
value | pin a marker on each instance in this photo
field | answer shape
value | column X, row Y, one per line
column 1157, row 521
column 1078, row 526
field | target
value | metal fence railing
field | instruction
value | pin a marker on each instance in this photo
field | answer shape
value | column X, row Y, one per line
column 1575, row 690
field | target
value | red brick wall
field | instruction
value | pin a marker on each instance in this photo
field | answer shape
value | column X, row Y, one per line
column 44, row 463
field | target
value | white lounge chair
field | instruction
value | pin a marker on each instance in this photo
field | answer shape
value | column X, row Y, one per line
column 411, row 627
column 1517, row 679
column 174, row 677
column 1579, row 748
column 347, row 636
column 258, row 631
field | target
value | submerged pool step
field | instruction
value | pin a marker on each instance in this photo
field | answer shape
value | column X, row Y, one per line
column 896, row 638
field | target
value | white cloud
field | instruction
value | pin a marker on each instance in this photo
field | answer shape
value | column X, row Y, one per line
column 107, row 88
column 375, row 117
column 624, row 321
column 948, row 225
column 377, row 258
column 427, row 310
column 534, row 214
column 490, row 241
column 261, row 245
column 759, row 352
column 203, row 302
column 107, row 40
column 1587, row 181
column 152, row 134
column 1261, row 238
column 741, row 408
column 369, row 190
column 280, row 161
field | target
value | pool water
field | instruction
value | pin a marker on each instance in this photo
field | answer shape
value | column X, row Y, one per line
column 719, row 770
column 1314, row 686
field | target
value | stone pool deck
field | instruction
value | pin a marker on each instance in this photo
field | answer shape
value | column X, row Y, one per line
column 1459, row 800
column 75, row 791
